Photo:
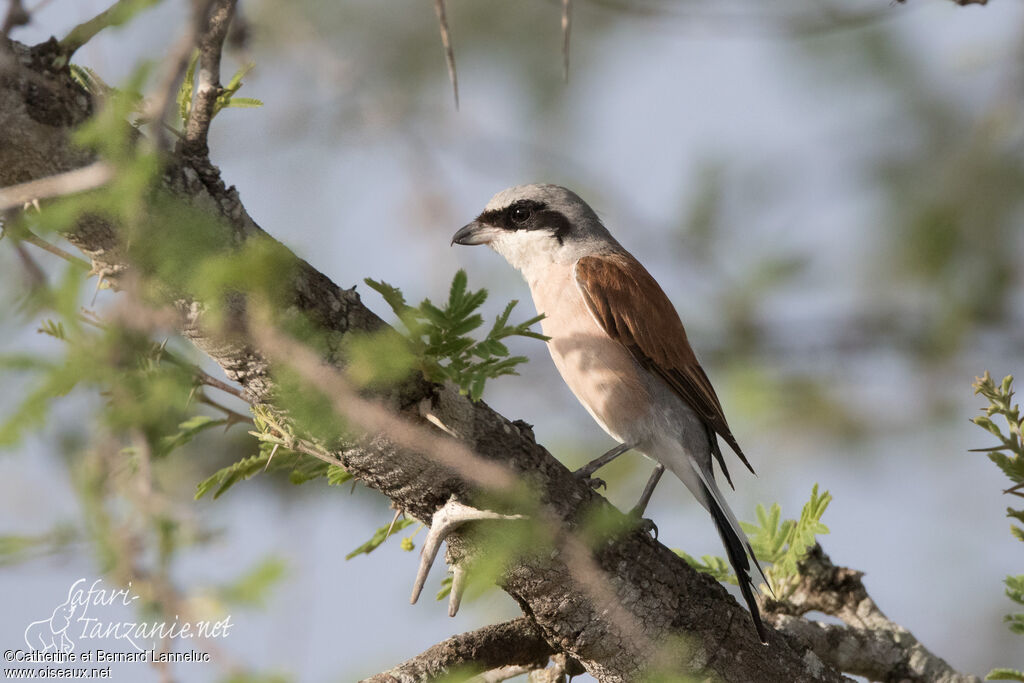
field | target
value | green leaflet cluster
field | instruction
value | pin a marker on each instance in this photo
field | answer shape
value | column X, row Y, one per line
column 782, row 544
column 1009, row 457
column 225, row 99
column 439, row 342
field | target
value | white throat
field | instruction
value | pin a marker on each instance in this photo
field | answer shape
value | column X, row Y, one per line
column 529, row 251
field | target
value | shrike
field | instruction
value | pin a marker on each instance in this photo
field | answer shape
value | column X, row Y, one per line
column 620, row 346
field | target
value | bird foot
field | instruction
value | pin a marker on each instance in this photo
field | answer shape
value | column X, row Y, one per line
column 593, row 482
column 644, row 524
column 447, row 519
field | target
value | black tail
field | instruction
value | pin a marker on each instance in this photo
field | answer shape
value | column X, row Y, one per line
column 736, row 549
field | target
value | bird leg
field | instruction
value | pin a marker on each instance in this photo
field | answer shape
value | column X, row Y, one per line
column 599, row 462
column 645, row 498
column 447, row 519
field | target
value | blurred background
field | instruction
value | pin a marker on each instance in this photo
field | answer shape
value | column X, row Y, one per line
column 830, row 193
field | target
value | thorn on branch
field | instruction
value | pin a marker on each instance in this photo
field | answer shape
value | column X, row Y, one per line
column 391, row 527
column 446, row 520
column 459, row 576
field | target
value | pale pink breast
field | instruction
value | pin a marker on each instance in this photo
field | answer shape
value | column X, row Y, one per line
column 598, row 370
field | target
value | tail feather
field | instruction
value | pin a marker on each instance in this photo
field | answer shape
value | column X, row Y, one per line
column 699, row 478
column 715, row 500
column 737, row 549
column 716, row 451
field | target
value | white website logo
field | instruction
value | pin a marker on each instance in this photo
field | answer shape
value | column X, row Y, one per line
column 80, row 617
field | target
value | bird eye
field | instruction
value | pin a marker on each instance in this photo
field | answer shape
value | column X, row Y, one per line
column 520, row 214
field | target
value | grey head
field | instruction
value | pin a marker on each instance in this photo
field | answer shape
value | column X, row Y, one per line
column 534, row 225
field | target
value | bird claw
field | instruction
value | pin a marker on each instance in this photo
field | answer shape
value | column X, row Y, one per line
column 593, row 482
column 447, row 519
column 646, row 525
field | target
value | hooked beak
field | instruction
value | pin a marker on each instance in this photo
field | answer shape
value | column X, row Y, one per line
column 473, row 233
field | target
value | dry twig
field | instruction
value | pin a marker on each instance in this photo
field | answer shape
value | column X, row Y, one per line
column 90, row 177
column 449, row 53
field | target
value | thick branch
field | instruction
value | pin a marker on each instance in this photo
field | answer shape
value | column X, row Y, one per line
column 876, row 654
column 513, row 643
column 654, row 587
column 870, row 644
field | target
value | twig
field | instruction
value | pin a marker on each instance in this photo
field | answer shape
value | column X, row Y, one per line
column 213, row 28
column 160, row 106
column 36, row 241
column 16, row 16
column 296, row 444
column 211, row 381
column 35, row 274
column 566, row 29
column 449, row 53
column 115, row 15
column 233, row 416
column 89, row 177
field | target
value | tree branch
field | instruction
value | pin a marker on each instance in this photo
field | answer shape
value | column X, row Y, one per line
column 16, row 16
column 115, row 15
column 83, row 179
column 514, row 643
column 708, row 631
column 214, row 20
column 870, row 644
column 876, row 654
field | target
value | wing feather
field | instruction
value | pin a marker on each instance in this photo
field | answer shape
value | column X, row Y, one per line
column 632, row 308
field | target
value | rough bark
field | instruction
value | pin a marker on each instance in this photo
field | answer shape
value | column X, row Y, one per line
column 868, row 643
column 40, row 105
column 513, row 643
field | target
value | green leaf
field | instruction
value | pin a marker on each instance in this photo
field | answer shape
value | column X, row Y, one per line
column 243, row 103
column 1005, row 675
column 1015, row 588
column 392, row 295
column 446, row 587
column 458, row 289
column 337, row 475
column 187, row 431
column 271, row 457
column 1015, row 623
column 236, row 81
column 380, row 536
column 439, row 339
column 54, row 328
column 225, row 478
column 716, row 567
column 253, row 587
column 188, row 86
column 307, row 468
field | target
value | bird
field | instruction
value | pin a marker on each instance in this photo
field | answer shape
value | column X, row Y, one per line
column 620, row 346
